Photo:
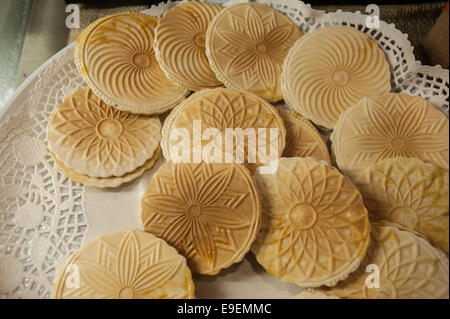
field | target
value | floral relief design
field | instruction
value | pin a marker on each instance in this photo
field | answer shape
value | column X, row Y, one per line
column 139, row 267
column 411, row 193
column 180, row 44
column 315, row 226
column 387, row 126
column 115, row 56
column 254, row 39
column 97, row 140
column 226, row 109
column 329, row 70
column 409, row 268
column 196, row 207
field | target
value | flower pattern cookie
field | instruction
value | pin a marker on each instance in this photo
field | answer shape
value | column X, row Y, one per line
column 315, row 228
column 180, row 44
column 127, row 264
column 209, row 212
column 115, row 56
column 390, row 125
column 246, row 44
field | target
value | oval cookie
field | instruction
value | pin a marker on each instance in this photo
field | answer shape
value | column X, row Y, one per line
column 126, row 264
column 115, row 56
column 180, row 44
column 94, row 139
column 302, row 138
column 216, row 114
column 315, row 227
column 408, row 192
column 329, row 70
column 209, row 212
column 408, row 267
column 386, row 126
column 246, row 44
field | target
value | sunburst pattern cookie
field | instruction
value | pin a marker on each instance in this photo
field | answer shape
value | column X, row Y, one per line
column 209, row 212
column 408, row 192
column 115, row 56
column 180, row 44
column 92, row 138
column 329, row 70
column 246, row 45
column 224, row 109
column 315, row 228
column 302, row 138
column 127, row 264
column 390, row 125
column 409, row 268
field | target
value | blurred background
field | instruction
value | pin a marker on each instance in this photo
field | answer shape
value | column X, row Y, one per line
column 32, row 31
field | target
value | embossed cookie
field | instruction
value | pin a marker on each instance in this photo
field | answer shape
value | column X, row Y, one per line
column 315, row 228
column 115, row 56
column 409, row 268
column 94, row 139
column 216, row 114
column 127, row 264
column 302, row 138
column 408, row 192
column 180, row 44
column 209, row 212
column 246, row 45
column 390, row 125
column 329, row 70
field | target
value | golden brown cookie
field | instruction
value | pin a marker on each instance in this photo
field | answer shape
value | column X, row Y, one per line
column 126, row 264
column 408, row 192
column 115, row 56
column 386, row 126
column 94, row 139
column 329, row 70
column 407, row 265
column 315, row 228
column 209, row 212
column 246, row 44
column 302, row 138
column 313, row 295
column 180, row 44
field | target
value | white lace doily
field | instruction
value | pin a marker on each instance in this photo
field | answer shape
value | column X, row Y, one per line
column 44, row 217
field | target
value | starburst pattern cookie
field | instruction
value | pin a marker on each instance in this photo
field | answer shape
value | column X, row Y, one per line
column 92, row 138
column 209, row 212
column 409, row 268
column 246, row 45
column 127, row 264
column 329, row 70
column 180, row 44
column 115, row 56
column 302, row 138
column 225, row 109
column 315, row 228
column 408, row 192
column 390, row 125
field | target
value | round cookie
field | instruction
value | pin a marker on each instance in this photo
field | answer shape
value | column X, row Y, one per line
column 386, row 126
column 302, row 138
column 315, row 228
column 115, row 56
column 329, row 70
column 180, row 44
column 209, row 212
column 408, row 192
column 126, row 264
column 92, row 138
column 224, row 110
column 408, row 267
column 246, row 44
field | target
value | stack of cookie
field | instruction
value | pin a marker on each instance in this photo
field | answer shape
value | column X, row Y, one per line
column 319, row 219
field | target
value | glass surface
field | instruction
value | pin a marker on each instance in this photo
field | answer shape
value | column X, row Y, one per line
column 14, row 15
